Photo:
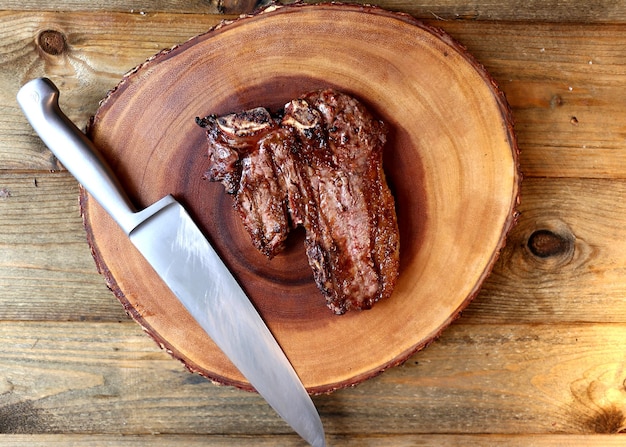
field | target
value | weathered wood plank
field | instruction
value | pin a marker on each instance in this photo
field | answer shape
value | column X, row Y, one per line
column 566, row 258
column 564, row 85
column 421, row 440
column 564, row 82
column 83, row 57
column 142, row 8
column 110, row 378
column 46, row 268
column 508, row 10
column 138, row 7
column 44, row 255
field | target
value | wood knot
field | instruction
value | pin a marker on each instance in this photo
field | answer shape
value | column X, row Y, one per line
column 52, row 42
column 545, row 243
column 5, row 193
column 556, row 101
column 608, row 421
column 237, row 6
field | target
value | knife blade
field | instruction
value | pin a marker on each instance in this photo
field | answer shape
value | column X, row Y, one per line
column 171, row 242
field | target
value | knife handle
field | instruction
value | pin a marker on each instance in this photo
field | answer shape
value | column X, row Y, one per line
column 39, row 100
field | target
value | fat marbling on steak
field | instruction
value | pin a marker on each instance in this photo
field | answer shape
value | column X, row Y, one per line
column 318, row 165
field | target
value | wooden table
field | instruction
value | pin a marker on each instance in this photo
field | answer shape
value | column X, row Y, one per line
column 539, row 358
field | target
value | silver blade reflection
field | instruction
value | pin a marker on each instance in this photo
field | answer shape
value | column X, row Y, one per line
column 183, row 258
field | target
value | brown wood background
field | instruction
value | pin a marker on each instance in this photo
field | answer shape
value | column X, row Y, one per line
column 538, row 359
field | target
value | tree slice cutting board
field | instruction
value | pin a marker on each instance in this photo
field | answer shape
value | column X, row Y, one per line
column 451, row 161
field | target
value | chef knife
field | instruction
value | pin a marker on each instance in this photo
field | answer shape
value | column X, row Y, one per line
column 174, row 246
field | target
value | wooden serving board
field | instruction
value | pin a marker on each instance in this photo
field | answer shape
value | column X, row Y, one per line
column 451, row 161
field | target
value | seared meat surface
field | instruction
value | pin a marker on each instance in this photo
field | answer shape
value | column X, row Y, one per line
column 317, row 165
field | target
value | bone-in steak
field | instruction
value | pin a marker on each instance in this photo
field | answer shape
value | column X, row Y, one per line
column 318, row 164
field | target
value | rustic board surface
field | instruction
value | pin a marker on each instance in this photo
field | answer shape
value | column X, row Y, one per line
column 557, row 287
column 537, row 358
column 562, row 80
column 108, row 378
column 569, row 11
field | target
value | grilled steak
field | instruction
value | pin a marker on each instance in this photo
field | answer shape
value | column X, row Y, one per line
column 318, row 165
